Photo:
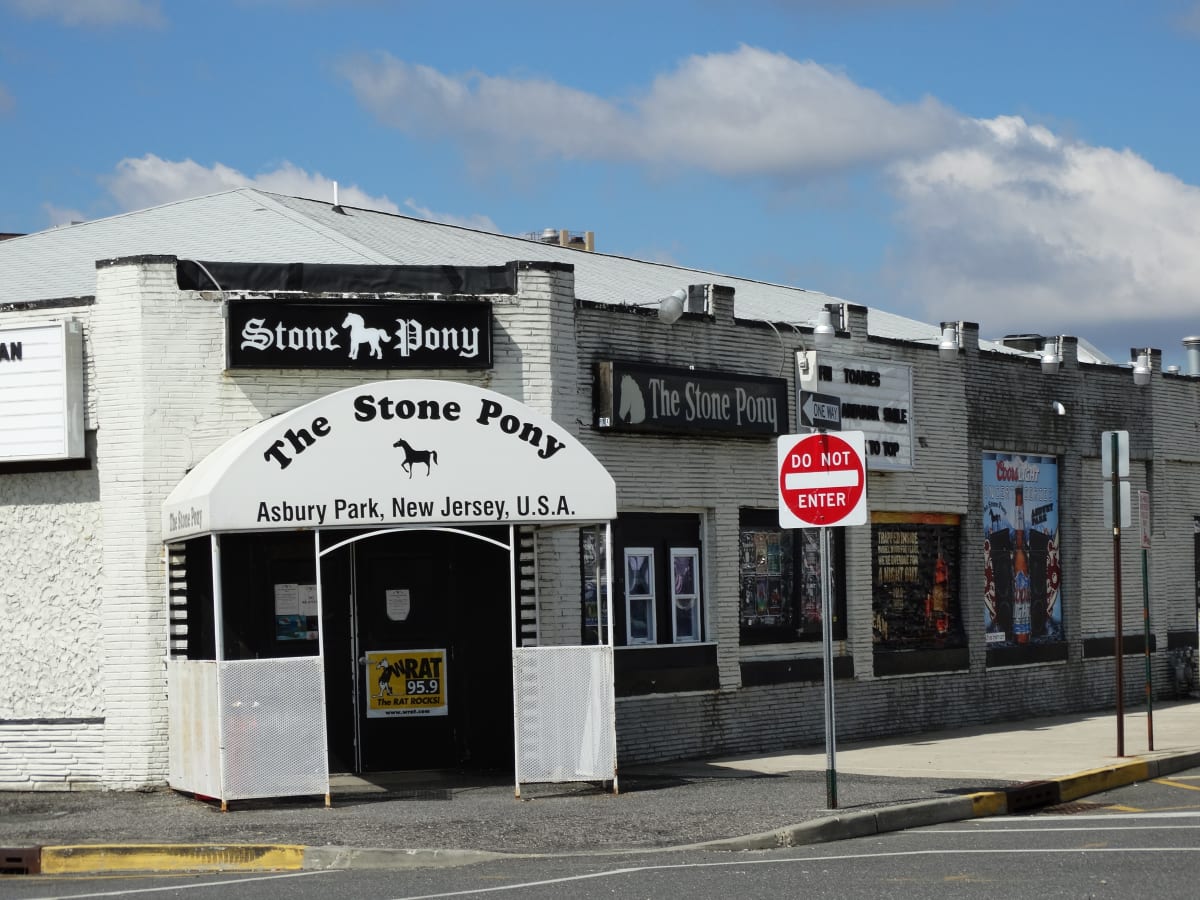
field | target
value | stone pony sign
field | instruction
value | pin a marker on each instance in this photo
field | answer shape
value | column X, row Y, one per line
column 403, row 452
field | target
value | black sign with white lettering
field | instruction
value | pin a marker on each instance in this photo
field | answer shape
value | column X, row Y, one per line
column 419, row 334
column 820, row 411
column 635, row 397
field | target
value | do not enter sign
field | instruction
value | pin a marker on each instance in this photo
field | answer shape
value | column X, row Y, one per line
column 822, row 480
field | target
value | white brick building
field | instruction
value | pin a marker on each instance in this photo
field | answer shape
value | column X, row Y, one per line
column 945, row 611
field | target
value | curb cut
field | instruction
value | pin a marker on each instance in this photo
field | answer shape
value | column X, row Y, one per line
column 332, row 857
column 1019, row 798
column 868, row 822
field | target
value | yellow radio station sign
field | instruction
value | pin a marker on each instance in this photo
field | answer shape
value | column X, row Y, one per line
column 406, row 683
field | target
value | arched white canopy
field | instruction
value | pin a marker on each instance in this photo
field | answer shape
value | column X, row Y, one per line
column 405, row 452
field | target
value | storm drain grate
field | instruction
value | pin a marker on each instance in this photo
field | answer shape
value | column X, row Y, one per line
column 1066, row 809
column 20, row 860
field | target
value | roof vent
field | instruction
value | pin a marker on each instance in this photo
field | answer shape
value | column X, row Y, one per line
column 561, row 237
column 1193, row 352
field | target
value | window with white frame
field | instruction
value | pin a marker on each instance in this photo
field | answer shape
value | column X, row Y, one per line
column 685, row 594
column 640, row 600
column 658, row 582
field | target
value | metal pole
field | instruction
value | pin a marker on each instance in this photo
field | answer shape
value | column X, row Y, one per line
column 1118, row 643
column 214, row 543
column 513, row 656
column 321, row 656
column 827, row 641
column 1146, row 641
column 608, row 597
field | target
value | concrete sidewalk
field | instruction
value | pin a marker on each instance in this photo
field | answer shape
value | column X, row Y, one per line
column 750, row 802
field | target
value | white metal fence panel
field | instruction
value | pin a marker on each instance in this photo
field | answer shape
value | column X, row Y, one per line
column 194, row 757
column 565, row 714
column 274, row 726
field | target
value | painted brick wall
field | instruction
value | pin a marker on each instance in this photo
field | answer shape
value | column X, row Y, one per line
column 52, row 754
column 51, row 706
column 980, row 401
column 159, row 397
column 157, row 391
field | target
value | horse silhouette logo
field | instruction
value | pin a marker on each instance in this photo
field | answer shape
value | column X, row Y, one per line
column 360, row 334
column 633, row 404
column 411, row 456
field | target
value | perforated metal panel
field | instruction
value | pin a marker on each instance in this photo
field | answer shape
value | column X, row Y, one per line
column 565, row 714
column 274, row 728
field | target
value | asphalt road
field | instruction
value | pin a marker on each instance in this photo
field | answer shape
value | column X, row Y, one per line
column 1138, row 841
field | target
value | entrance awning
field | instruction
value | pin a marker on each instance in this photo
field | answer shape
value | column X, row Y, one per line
column 406, row 452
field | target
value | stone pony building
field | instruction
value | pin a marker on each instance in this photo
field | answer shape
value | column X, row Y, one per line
column 290, row 488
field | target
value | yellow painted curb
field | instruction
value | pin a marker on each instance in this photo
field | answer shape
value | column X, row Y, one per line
column 989, row 803
column 85, row 858
column 1095, row 781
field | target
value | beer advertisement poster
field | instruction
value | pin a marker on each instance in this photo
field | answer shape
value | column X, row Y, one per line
column 1022, row 569
column 406, row 683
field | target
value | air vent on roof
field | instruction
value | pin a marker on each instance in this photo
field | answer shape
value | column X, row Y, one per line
column 576, row 240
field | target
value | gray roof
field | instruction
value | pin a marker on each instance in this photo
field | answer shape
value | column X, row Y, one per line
column 249, row 225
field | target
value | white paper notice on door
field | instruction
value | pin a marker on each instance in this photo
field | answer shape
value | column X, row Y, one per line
column 287, row 599
column 399, row 602
column 307, row 597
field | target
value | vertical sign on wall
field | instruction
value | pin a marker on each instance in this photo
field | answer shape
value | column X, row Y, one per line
column 1022, row 570
column 41, row 392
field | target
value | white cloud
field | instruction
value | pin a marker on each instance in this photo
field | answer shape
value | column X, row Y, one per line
column 999, row 221
column 58, row 215
column 1035, row 232
column 150, row 181
column 749, row 112
column 1188, row 20
column 88, row 13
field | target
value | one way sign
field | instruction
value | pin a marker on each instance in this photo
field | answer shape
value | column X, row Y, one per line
column 820, row 411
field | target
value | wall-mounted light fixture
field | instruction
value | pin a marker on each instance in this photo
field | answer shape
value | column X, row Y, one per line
column 1051, row 357
column 1057, row 408
column 1141, row 369
column 824, row 331
column 670, row 307
column 948, row 348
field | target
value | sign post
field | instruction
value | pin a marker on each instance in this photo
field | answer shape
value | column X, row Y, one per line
column 1144, row 516
column 823, row 484
column 1114, row 463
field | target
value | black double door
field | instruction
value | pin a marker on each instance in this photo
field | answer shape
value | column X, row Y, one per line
column 418, row 654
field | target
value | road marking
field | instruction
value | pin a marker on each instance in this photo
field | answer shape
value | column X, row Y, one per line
column 1031, row 824
column 742, row 862
column 178, row 887
column 1179, row 784
column 1058, row 828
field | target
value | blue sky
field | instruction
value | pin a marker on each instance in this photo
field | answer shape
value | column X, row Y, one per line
column 1030, row 166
